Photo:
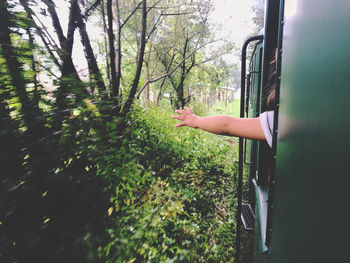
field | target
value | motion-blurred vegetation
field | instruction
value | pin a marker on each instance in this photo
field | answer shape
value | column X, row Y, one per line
column 91, row 167
column 148, row 193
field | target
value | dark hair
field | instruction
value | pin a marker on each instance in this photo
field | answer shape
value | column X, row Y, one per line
column 270, row 85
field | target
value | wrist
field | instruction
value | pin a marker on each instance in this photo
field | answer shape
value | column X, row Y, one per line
column 195, row 121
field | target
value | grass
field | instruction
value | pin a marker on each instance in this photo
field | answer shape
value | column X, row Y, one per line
column 231, row 108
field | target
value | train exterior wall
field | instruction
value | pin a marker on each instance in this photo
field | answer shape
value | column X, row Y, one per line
column 310, row 206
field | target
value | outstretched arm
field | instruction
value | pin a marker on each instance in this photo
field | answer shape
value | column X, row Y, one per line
column 225, row 125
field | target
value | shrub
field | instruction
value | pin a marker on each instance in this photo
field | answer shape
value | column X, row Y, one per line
column 173, row 198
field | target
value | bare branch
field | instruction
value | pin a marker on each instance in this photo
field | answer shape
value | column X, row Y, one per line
column 168, row 7
column 130, row 15
column 113, row 83
column 93, row 6
column 55, row 21
column 136, row 80
column 156, row 24
column 177, row 14
column 39, row 30
column 51, row 41
column 41, row 65
column 150, row 8
column 174, row 69
column 95, row 73
column 71, row 25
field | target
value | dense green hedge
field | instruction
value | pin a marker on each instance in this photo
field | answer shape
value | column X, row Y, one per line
column 116, row 191
column 173, row 198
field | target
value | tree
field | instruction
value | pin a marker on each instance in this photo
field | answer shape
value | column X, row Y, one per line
column 259, row 11
column 63, row 136
column 189, row 34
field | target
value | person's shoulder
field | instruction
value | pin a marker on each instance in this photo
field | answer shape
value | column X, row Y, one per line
column 267, row 116
column 270, row 115
column 266, row 121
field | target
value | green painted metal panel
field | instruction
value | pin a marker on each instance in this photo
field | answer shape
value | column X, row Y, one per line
column 310, row 213
column 258, row 257
column 261, row 215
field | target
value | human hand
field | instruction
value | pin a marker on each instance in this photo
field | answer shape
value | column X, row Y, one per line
column 187, row 117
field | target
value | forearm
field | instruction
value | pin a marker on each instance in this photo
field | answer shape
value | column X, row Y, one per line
column 226, row 125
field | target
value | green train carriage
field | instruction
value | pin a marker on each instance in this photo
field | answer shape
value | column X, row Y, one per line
column 299, row 188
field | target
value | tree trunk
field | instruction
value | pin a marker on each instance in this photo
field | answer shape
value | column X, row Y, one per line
column 167, row 69
column 89, row 54
column 184, row 73
column 226, row 98
column 148, row 73
column 33, row 118
column 147, row 88
column 114, row 80
column 141, row 53
column 29, row 110
column 69, row 77
column 36, row 95
column 105, row 40
column 118, row 55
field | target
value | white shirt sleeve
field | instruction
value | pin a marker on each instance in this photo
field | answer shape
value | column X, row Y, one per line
column 266, row 121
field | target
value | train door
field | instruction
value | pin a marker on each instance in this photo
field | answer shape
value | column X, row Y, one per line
column 257, row 156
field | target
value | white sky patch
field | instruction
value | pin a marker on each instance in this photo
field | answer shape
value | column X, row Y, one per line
column 233, row 20
column 79, row 60
column 94, row 32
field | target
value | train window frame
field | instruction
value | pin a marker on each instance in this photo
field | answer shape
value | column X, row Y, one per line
column 263, row 181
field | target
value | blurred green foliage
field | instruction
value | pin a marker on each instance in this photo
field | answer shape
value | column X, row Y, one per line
column 80, row 184
column 150, row 193
column 180, row 204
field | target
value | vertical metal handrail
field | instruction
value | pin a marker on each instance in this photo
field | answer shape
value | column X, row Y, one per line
column 240, row 160
column 247, row 114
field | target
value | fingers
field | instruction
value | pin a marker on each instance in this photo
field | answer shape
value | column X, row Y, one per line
column 179, row 124
column 188, row 110
column 180, row 111
column 184, row 111
column 182, row 117
column 177, row 117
